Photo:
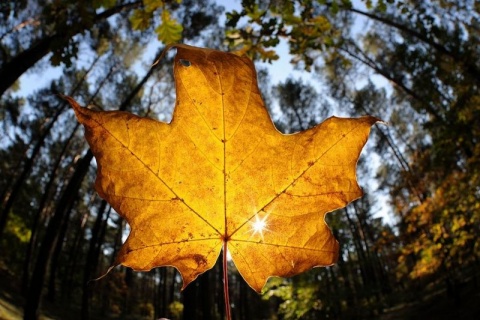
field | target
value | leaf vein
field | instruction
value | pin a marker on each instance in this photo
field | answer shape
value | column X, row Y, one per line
column 159, row 178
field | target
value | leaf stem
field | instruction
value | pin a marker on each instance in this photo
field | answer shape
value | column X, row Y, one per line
column 225, row 282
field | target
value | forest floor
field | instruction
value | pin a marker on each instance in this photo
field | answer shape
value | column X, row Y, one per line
column 439, row 306
column 11, row 300
column 435, row 305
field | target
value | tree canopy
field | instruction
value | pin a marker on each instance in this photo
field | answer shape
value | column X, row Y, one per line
column 411, row 239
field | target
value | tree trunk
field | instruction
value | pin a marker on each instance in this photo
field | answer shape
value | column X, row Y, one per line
column 28, row 164
column 36, row 285
column 129, row 282
column 55, row 259
column 358, row 248
column 15, row 67
column 69, row 195
column 92, row 260
column 27, row 167
column 373, row 65
column 189, row 297
column 466, row 64
column 118, row 239
column 206, row 301
column 38, row 215
column 26, row 266
column 161, row 300
column 74, row 252
column 337, row 305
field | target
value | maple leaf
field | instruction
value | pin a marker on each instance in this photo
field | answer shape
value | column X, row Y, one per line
column 221, row 172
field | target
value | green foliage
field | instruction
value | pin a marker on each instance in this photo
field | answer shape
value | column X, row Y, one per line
column 298, row 298
column 380, row 5
column 141, row 19
column 303, row 23
column 308, row 26
column 104, row 3
column 18, row 228
column 169, row 31
column 152, row 5
column 175, row 309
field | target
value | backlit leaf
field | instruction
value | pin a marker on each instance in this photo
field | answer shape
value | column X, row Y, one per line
column 221, row 172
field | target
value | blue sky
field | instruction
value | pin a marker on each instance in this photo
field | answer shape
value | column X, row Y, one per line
column 279, row 71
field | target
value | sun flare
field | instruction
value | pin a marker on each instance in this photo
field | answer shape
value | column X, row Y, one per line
column 259, row 225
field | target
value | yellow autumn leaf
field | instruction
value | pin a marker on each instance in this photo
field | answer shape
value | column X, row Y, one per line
column 220, row 173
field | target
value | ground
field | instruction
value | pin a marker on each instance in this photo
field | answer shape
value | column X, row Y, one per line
column 435, row 306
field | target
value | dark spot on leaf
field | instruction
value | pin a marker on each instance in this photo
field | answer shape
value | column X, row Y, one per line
column 185, row 63
column 199, row 259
